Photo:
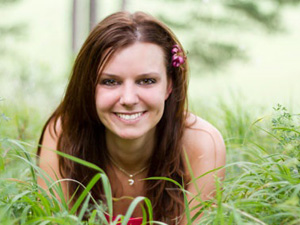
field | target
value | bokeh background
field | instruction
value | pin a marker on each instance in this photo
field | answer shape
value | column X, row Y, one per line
column 243, row 53
column 244, row 79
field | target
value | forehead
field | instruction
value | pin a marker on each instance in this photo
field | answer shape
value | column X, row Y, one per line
column 137, row 58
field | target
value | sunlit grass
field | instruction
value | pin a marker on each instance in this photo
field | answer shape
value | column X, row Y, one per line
column 262, row 184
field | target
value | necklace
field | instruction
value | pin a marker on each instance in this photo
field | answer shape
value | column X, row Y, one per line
column 131, row 176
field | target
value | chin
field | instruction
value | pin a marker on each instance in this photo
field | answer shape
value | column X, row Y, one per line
column 129, row 136
column 133, row 133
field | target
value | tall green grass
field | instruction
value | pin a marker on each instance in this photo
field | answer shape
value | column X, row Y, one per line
column 265, row 187
column 262, row 184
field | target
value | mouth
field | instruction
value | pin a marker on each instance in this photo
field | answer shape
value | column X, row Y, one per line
column 129, row 116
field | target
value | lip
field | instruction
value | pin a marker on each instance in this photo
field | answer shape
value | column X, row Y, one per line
column 129, row 113
column 132, row 121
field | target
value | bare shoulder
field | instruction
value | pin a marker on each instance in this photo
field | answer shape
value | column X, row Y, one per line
column 205, row 150
column 202, row 140
column 48, row 159
column 50, row 137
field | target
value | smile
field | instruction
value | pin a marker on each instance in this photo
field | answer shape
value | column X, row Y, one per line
column 129, row 116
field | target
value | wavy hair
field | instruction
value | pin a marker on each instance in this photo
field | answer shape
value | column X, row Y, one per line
column 82, row 133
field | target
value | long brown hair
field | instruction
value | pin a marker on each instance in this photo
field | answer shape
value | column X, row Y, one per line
column 83, row 135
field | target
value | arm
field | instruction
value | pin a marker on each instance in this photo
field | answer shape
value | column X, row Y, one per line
column 205, row 150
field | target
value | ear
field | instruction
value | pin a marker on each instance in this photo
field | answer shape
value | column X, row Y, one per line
column 169, row 88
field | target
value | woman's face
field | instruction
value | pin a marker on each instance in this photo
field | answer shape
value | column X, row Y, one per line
column 131, row 93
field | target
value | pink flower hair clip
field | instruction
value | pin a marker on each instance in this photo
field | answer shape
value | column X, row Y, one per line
column 178, row 58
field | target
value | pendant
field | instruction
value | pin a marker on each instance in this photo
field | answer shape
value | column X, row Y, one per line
column 131, row 182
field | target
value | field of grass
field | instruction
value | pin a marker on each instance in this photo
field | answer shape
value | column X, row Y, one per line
column 262, row 184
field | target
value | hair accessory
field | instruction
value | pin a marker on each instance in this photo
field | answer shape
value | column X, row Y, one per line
column 178, row 58
column 131, row 176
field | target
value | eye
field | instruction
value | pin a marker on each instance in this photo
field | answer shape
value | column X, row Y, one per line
column 109, row 82
column 147, row 81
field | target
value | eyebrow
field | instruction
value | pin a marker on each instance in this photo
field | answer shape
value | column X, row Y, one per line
column 139, row 75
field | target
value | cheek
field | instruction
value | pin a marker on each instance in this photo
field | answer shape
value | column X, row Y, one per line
column 104, row 100
column 156, row 99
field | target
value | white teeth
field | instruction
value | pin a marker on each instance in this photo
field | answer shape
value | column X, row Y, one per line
column 129, row 117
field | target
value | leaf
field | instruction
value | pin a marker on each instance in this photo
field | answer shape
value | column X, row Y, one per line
column 85, row 192
column 2, row 164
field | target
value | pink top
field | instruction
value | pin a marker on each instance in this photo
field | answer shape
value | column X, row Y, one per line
column 132, row 221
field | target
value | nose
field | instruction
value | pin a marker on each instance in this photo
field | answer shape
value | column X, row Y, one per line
column 129, row 95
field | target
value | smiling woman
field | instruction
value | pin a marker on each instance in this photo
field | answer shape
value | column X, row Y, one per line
column 130, row 99
column 125, row 110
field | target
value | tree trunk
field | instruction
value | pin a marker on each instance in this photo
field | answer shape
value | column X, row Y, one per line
column 124, row 5
column 74, row 27
column 93, row 14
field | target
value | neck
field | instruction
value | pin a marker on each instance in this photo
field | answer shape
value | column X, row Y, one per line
column 133, row 154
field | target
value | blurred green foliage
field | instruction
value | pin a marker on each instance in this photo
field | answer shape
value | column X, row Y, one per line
column 8, row 30
column 214, row 29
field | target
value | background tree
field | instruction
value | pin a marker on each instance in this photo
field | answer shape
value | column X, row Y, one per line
column 8, row 30
column 9, row 55
column 124, row 5
column 75, row 41
column 207, row 26
column 77, row 30
column 93, row 14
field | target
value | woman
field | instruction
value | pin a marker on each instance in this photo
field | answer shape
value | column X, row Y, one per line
column 125, row 110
